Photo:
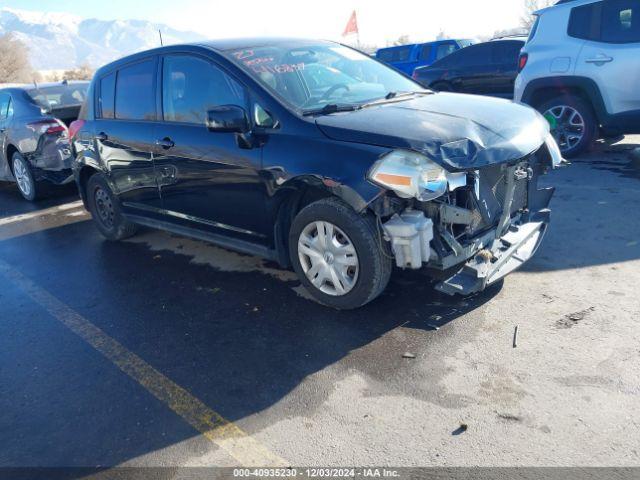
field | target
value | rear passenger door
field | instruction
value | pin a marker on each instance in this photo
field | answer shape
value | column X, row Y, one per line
column 123, row 133
column 207, row 181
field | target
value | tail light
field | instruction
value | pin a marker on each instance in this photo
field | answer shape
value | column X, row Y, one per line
column 75, row 127
column 522, row 61
column 47, row 127
column 415, row 75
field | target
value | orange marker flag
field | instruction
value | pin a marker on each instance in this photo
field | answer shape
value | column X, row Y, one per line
column 352, row 25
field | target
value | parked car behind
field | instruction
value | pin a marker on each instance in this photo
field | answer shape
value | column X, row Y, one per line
column 407, row 58
column 487, row 68
column 314, row 155
column 33, row 134
column 580, row 69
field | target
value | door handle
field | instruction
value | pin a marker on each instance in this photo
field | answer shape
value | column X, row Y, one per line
column 102, row 137
column 602, row 59
column 165, row 143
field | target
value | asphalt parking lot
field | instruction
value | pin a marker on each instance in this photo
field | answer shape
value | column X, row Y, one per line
column 164, row 351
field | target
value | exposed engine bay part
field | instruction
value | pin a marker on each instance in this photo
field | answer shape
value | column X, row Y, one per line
column 492, row 264
column 410, row 234
column 486, row 225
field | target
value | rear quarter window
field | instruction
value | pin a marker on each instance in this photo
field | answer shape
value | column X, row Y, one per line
column 584, row 21
column 106, row 99
column 135, row 92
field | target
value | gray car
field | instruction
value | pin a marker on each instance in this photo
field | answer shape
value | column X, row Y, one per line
column 34, row 134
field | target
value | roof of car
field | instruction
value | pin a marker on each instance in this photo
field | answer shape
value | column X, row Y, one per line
column 33, row 86
column 565, row 3
column 222, row 45
column 240, row 43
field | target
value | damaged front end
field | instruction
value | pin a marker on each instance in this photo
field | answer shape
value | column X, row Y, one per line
column 472, row 227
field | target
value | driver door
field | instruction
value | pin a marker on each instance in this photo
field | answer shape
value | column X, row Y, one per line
column 207, row 180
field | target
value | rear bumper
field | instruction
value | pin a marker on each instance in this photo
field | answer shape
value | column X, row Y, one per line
column 502, row 257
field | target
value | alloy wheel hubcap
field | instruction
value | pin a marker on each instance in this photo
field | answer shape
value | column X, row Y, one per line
column 22, row 177
column 328, row 258
column 104, row 206
column 567, row 126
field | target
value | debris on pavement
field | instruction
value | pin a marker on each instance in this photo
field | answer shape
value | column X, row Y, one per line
column 460, row 430
column 515, row 337
column 572, row 319
column 408, row 355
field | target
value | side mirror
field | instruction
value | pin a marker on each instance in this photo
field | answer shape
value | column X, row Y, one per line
column 228, row 118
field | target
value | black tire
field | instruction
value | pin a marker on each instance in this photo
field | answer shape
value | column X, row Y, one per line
column 31, row 189
column 375, row 265
column 105, row 210
column 590, row 122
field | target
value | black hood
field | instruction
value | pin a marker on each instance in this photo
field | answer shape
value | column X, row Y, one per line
column 458, row 131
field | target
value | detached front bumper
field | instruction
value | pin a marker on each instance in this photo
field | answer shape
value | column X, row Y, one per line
column 500, row 258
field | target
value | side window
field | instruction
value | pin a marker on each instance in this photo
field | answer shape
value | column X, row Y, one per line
column 385, row 55
column 425, row 52
column 621, row 21
column 5, row 100
column 135, row 97
column 584, row 21
column 473, row 56
column 191, row 86
column 402, row 54
column 451, row 61
column 107, row 97
column 506, row 53
column 445, row 50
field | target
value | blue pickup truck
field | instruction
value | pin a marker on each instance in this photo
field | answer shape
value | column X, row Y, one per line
column 409, row 57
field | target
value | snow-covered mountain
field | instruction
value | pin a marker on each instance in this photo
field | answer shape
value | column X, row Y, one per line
column 61, row 41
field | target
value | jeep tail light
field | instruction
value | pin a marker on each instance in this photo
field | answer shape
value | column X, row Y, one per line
column 75, row 128
column 47, row 127
column 522, row 61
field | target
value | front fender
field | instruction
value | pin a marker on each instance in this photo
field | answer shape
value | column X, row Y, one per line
column 338, row 167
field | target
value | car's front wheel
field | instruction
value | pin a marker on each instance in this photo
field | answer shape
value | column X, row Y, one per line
column 339, row 254
column 27, row 185
column 572, row 122
column 105, row 210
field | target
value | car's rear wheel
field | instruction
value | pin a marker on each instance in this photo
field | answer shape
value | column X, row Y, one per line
column 572, row 122
column 105, row 210
column 338, row 254
column 25, row 180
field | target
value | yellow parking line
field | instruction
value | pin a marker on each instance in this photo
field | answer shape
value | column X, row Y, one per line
column 242, row 447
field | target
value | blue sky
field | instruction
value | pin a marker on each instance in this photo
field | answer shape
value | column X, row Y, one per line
column 111, row 9
column 422, row 20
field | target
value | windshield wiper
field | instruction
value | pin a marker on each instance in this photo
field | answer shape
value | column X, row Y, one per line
column 332, row 108
column 395, row 96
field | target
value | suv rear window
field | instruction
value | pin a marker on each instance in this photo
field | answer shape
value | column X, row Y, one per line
column 135, row 92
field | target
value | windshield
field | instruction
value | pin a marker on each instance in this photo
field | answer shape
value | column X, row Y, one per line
column 311, row 77
column 59, row 96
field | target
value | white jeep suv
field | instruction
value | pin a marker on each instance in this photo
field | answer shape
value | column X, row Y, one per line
column 580, row 68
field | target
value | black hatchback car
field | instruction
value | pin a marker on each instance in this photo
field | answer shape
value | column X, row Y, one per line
column 314, row 155
column 34, row 137
column 488, row 68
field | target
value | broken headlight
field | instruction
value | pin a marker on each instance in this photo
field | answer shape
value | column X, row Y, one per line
column 410, row 175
